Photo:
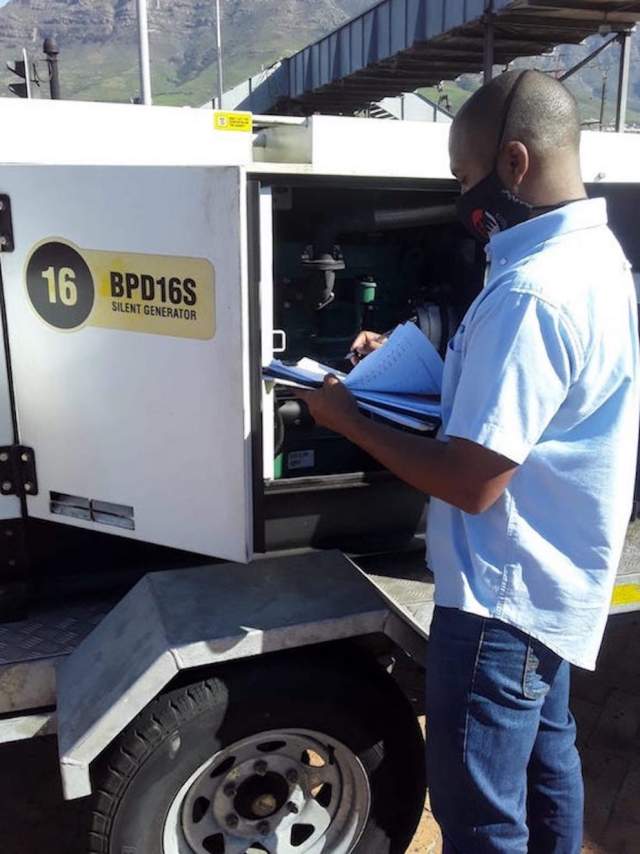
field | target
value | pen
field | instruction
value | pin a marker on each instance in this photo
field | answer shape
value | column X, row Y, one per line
column 354, row 354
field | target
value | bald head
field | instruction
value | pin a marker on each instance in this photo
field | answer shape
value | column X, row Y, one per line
column 541, row 117
column 543, row 114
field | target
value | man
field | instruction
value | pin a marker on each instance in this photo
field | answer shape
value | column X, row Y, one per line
column 531, row 477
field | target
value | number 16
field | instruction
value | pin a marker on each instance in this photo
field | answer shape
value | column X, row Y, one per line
column 65, row 286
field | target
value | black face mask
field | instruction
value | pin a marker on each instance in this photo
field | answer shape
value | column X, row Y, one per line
column 489, row 207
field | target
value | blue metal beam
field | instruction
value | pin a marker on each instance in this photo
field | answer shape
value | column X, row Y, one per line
column 421, row 42
column 389, row 28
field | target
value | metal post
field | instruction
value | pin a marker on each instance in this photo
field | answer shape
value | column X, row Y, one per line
column 489, row 42
column 27, row 73
column 623, row 81
column 219, row 53
column 567, row 74
column 50, row 48
column 603, row 98
column 143, row 52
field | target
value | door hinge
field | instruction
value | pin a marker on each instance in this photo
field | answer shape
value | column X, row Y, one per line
column 18, row 471
column 6, row 224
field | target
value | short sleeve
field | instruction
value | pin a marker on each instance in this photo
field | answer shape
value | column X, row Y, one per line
column 517, row 365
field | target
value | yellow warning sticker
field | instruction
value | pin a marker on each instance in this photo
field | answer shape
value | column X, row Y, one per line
column 626, row 594
column 240, row 122
column 71, row 287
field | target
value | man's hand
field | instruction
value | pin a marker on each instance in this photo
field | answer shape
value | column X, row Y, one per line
column 366, row 343
column 332, row 406
column 459, row 472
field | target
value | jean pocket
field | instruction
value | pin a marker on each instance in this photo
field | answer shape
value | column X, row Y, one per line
column 536, row 680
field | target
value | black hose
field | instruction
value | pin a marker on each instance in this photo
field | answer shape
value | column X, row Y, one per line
column 379, row 219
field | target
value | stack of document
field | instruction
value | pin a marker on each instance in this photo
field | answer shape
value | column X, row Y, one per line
column 400, row 381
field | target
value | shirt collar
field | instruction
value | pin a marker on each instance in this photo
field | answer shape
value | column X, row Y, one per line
column 509, row 246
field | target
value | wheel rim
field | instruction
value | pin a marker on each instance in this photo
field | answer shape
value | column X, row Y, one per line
column 280, row 792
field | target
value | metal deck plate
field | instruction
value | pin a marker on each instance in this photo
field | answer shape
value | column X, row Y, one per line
column 405, row 583
column 31, row 648
column 49, row 633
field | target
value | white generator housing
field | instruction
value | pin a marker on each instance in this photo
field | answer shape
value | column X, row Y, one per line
column 140, row 296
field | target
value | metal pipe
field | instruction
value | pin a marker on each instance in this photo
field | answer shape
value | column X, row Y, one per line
column 219, row 53
column 143, row 52
column 27, row 73
column 275, row 121
column 587, row 59
column 623, row 81
column 389, row 220
column 50, row 48
column 603, row 99
column 365, row 220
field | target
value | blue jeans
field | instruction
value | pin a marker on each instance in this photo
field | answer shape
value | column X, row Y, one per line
column 504, row 771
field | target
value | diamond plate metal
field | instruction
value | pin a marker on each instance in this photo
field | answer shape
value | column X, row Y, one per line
column 50, row 633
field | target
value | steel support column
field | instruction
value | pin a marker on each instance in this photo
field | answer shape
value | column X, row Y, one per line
column 623, row 81
column 143, row 52
column 219, row 55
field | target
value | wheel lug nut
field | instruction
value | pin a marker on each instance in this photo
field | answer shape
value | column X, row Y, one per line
column 292, row 808
column 261, row 767
column 232, row 820
column 264, row 828
column 230, row 790
column 292, row 776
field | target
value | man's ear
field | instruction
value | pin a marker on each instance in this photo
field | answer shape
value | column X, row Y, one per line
column 515, row 164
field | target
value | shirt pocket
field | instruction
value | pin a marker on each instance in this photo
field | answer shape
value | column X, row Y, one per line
column 451, row 374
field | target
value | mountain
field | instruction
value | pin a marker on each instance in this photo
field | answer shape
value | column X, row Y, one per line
column 97, row 41
column 98, row 48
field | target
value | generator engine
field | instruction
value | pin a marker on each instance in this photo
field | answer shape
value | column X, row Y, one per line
column 365, row 268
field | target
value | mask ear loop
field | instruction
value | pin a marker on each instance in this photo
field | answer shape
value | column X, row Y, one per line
column 505, row 115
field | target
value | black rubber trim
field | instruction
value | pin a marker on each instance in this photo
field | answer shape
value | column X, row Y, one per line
column 255, row 360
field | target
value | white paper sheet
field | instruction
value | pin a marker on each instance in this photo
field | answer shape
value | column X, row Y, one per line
column 407, row 364
column 411, row 410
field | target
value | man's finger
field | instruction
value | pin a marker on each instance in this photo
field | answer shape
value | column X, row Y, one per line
column 330, row 380
column 359, row 342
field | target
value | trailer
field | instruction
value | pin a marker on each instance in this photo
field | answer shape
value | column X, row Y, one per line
column 202, row 592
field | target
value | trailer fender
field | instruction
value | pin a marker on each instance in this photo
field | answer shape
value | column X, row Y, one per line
column 181, row 619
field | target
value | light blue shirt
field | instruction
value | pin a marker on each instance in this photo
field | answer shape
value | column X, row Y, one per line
column 543, row 370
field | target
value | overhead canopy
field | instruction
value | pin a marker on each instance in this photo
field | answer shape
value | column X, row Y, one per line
column 400, row 45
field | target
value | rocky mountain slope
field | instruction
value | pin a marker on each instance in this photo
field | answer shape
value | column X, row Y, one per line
column 98, row 55
column 97, row 40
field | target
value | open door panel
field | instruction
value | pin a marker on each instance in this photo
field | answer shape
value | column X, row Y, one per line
column 127, row 322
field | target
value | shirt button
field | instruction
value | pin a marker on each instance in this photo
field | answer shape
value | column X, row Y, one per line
column 503, row 261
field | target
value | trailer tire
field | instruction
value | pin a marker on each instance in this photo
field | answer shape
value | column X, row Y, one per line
column 172, row 768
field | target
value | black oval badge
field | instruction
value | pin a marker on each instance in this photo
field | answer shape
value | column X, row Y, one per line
column 60, row 285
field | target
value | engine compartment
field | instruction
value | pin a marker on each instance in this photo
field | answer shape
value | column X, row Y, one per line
column 352, row 259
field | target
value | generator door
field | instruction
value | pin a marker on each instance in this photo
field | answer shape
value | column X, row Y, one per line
column 126, row 311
